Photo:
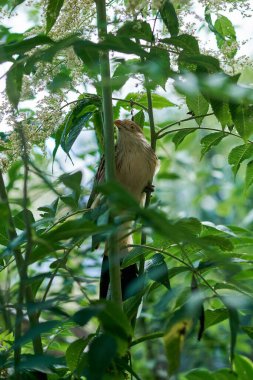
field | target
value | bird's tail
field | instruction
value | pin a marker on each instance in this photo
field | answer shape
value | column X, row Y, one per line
column 128, row 277
column 129, row 274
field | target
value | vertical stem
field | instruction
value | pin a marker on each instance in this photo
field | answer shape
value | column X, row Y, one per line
column 153, row 146
column 114, row 264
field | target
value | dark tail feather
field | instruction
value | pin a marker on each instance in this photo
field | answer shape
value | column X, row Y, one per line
column 104, row 278
column 128, row 276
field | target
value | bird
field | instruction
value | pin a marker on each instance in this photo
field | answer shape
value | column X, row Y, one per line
column 136, row 164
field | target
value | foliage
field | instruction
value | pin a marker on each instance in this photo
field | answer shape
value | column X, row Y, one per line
column 194, row 295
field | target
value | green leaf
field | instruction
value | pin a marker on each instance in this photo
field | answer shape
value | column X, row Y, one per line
column 134, row 256
column 14, row 83
column 139, row 118
column 19, row 219
column 89, row 54
column 21, row 47
column 210, row 24
column 52, row 13
column 34, row 332
column 136, row 29
column 243, row 366
column 179, row 137
column 49, row 210
column 238, row 155
column 157, row 270
column 249, row 175
column 204, row 63
column 198, row 105
column 199, row 374
column 242, row 116
column 42, row 363
column 103, row 350
column 226, row 36
column 74, row 351
column 157, row 67
column 212, row 317
column 248, row 330
column 157, row 100
column 210, row 141
column 222, row 112
column 173, row 341
column 234, row 324
column 169, row 17
column 188, row 43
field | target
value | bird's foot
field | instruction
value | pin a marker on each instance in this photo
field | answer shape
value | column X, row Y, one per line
column 149, row 189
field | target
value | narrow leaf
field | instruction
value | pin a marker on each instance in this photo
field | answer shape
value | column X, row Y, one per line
column 53, row 11
column 249, row 175
column 14, row 83
column 169, row 17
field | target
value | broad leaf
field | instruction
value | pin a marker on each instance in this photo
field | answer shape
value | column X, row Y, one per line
column 21, row 47
column 158, row 101
column 188, row 43
column 198, row 105
column 222, row 112
column 242, row 116
column 136, row 29
column 74, row 351
column 179, row 137
column 226, row 37
column 239, row 154
column 243, row 367
column 210, row 141
column 139, row 118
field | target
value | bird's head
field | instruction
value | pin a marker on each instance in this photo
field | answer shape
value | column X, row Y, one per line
column 128, row 127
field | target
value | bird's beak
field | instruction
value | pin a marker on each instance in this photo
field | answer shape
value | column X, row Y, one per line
column 118, row 123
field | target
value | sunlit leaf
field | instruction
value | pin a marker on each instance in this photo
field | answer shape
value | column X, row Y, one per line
column 210, row 141
column 179, row 137
column 198, row 105
column 238, row 155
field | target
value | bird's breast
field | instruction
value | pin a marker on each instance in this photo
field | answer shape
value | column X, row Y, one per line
column 135, row 168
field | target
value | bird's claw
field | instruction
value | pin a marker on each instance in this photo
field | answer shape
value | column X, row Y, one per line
column 149, row 189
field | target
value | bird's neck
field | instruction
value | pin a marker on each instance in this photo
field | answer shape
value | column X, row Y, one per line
column 130, row 140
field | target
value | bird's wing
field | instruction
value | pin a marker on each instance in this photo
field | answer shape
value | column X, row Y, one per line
column 99, row 178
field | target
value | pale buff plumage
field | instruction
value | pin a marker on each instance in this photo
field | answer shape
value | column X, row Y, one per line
column 136, row 164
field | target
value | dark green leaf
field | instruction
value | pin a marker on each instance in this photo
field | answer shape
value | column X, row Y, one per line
column 103, row 350
column 14, row 83
column 248, row 330
column 136, row 29
column 212, row 317
column 157, row 270
column 204, row 63
column 157, row 100
column 74, row 351
column 210, row 24
column 169, row 17
column 40, row 328
column 52, row 13
column 19, row 219
column 21, row 47
column 188, row 43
